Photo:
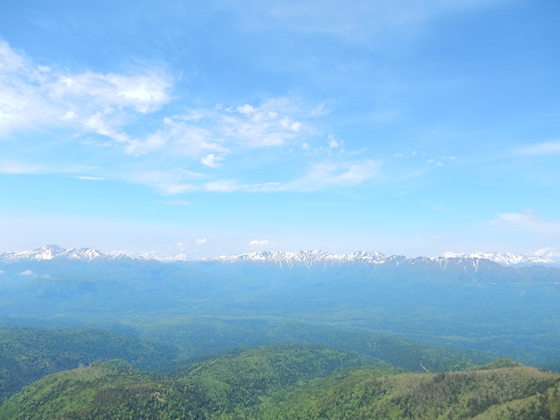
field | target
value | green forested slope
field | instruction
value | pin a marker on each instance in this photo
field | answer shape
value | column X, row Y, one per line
column 289, row 382
column 362, row 393
column 29, row 354
column 244, row 379
column 105, row 391
column 203, row 390
column 203, row 336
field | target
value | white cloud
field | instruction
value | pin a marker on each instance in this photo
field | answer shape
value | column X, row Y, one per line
column 274, row 122
column 246, row 109
column 208, row 132
column 144, row 92
column 211, row 160
column 549, row 252
column 10, row 61
column 35, row 96
column 256, row 243
column 92, row 106
column 201, row 241
column 26, row 273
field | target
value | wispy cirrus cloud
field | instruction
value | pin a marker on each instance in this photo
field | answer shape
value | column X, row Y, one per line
column 356, row 21
column 99, row 110
column 17, row 168
column 540, row 149
column 527, row 221
column 212, row 133
column 34, row 96
column 323, row 175
column 320, row 176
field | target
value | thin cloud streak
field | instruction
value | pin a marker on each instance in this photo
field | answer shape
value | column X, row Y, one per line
column 15, row 168
column 356, row 22
column 346, row 174
column 527, row 221
column 540, row 149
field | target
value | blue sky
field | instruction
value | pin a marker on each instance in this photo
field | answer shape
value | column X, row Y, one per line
column 219, row 127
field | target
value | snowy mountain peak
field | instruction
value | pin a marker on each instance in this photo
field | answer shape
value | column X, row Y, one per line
column 51, row 252
column 306, row 258
column 502, row 258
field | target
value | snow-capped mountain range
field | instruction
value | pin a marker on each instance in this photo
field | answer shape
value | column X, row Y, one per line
column 503, row 258
column 318, row 257
column 52, row 252
column 281, row 258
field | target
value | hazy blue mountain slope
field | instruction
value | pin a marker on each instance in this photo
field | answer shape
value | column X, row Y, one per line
column 202, row 337
column 471, row 302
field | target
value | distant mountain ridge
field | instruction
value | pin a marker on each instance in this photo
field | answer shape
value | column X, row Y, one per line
column 51, row 252
column 318, row 257
column 502, row 258
column 287, row 259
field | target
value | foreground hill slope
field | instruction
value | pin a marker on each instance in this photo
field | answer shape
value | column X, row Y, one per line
column 248, row 376
column 288, row 382
column 106, row 391
column 482, row 394
column 204, row 390
column 28, row 354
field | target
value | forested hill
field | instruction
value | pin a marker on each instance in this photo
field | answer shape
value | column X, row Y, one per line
column 220, row 385
column 28, row 354
column 288, row 382
column 515, row 392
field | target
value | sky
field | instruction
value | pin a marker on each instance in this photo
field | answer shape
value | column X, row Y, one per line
column 224, row 126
